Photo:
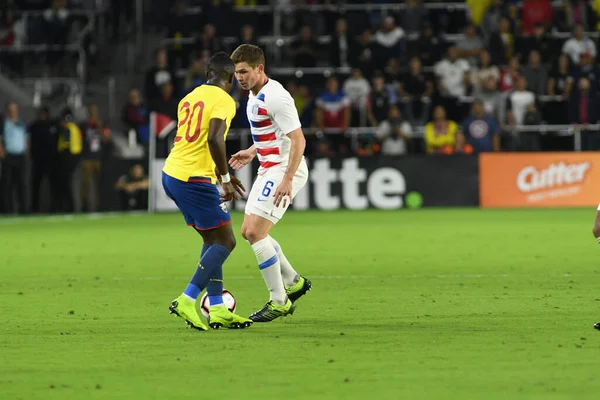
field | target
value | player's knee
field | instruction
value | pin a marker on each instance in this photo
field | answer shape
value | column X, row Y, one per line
column 253, row 235
column 229, row 242
column 596, row 230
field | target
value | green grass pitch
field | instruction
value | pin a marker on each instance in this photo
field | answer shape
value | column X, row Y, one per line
column 421, row 304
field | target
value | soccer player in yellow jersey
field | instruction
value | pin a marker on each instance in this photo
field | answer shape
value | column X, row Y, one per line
column 189, row 179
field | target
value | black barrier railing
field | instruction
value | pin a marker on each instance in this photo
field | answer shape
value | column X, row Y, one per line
column 574, row 130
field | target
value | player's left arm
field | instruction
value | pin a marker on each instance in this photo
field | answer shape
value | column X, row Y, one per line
column 596, row 228
column 298, row 144
column 286, row 117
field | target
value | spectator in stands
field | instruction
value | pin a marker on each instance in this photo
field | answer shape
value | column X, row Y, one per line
column 55, row 32
column 96, row 142
column 578, row 12
column 394, row 133
column 530, row 140
column 379, row 101
column 509, row 75
column 535, row 12
column 477, row 9
column 333, row 114
column 536, row 74
column 471, row 46
column 248, row 36
column 479, row 131
column 14, row 146
column 357, row 88
column 578, row 45
column 121, row 10
column 416, row 90
column 492, row 99
column 133, row 189
column 452, row 74
column 307, row 116
column 302, row 100
column 195, row 77
column 532, row 117
column 587, row 70
column 390, row 41
column 440, row 134
column 362, row 53
column 305, row 104
column 157, row 76
column 55, row 23
column 44, row 157
column 70, row 146
column 393, row 77
column 537, row 42
column 518, row 101
column 413, row 16
column 428, row 47
column 179, row 26
column 583, row 111
column 208, row 43
column 339, row 48
column 305, row 49
column 502, row 43
column 492, row 16
column 486, row 70
column 135, row 116
column 167, row 103
column 558, row 83
column 11, row 34
column 7, row 20
column 453, row 80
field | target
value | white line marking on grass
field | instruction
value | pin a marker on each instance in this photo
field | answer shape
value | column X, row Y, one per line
column 316, row 277
column 68, row 217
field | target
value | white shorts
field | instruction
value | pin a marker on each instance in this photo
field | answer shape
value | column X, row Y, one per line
column 260, row 200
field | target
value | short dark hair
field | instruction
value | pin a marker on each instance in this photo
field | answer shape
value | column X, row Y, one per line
column 220, row 66
column 248, row 53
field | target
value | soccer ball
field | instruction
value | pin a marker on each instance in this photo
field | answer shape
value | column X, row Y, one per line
column 228, row 299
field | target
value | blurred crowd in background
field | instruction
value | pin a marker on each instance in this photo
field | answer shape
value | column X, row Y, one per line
column 467, row 77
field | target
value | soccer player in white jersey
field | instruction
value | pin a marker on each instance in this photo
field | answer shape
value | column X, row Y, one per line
column 279, row 144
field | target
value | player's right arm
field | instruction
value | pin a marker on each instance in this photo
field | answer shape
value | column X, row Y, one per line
column 242, row 158
column 216, row 145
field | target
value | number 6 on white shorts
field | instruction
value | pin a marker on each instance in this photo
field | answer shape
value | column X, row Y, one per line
column 267, row 189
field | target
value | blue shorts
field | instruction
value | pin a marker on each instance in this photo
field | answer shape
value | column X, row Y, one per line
column 198, row 200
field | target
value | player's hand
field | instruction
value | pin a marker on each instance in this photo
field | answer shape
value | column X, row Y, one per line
column 284, row 189
column 239, row 186
column 230, row 191
column 240, row 159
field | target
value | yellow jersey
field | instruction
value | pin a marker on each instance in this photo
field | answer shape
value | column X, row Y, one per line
column 434, row 140
column 190, row 156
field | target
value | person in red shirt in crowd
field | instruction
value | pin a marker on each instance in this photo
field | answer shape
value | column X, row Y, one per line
column 510, row 75
column 535, row 12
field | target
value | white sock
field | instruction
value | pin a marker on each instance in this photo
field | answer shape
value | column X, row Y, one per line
column 288, row 273
column 268, row 262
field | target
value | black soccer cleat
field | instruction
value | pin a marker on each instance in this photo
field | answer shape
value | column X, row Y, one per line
column 299, row 289
column 271, row 311
column 597, row 325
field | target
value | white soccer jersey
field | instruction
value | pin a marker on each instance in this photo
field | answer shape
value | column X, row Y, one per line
column 272, row 115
